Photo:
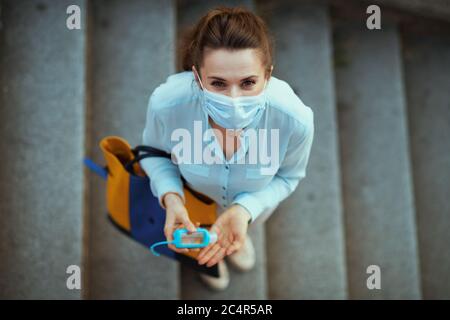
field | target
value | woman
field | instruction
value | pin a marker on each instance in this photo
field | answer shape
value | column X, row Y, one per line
column 228, row 89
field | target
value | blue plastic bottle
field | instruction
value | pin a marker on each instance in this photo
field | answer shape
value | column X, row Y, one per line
column 183, row 239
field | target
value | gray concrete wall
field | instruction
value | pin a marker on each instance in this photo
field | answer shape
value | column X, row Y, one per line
column 41, row 176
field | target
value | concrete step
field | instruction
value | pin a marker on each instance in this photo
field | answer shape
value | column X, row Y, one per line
column 427, row 61
column 250, row 285
column 305, row 239
column 376, row 171
column 131, row 49
column 393, row 159
column 41, row 177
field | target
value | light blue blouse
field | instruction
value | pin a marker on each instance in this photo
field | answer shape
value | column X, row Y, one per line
column 175, row 120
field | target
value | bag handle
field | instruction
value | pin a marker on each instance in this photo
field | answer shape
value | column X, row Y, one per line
column 149, row 152
column 153, row 152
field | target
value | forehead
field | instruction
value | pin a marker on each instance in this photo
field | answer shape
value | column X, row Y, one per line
column 231, row 64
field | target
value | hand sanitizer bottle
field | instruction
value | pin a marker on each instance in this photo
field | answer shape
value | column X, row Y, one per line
column 183, row 239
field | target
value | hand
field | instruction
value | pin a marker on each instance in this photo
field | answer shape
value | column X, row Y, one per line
column 176, row 217
column 231, row 228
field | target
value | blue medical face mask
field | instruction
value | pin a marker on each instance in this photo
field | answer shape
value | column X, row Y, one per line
column 233, row 113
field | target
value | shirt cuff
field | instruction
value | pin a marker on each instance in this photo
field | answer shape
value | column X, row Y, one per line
column 249, row 202
column 166, row 186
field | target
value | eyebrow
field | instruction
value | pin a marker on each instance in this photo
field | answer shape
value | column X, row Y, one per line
column 217, row 78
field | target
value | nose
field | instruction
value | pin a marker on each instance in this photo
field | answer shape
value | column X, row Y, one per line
column 234, row 91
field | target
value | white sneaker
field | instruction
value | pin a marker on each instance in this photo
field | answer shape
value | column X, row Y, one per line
column 244, row 259
column 220, row 283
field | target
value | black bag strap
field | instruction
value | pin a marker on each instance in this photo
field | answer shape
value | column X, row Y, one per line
column 154, row 152
column 149, row 152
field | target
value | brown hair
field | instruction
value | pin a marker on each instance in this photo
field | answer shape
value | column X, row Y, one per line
column 227, row 28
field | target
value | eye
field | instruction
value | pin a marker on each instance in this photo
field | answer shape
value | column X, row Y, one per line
column 249, row 83
column 219, row 84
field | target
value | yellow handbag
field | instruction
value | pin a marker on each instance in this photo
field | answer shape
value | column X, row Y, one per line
column 134, row 209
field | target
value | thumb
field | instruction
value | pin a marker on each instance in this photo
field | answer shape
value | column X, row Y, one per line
column 189, row 225
column 169, row 226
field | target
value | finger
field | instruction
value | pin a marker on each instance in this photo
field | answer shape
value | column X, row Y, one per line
column 217, row 257
column 225, row 242
column 169, row 226
column 204, row 251
column 210, row 254
column 236, row 245
column 178, row 250
column 189, row 225
column 236, row 240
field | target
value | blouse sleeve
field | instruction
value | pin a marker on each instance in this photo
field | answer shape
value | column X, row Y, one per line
column 163, row 173
column 288, row 176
